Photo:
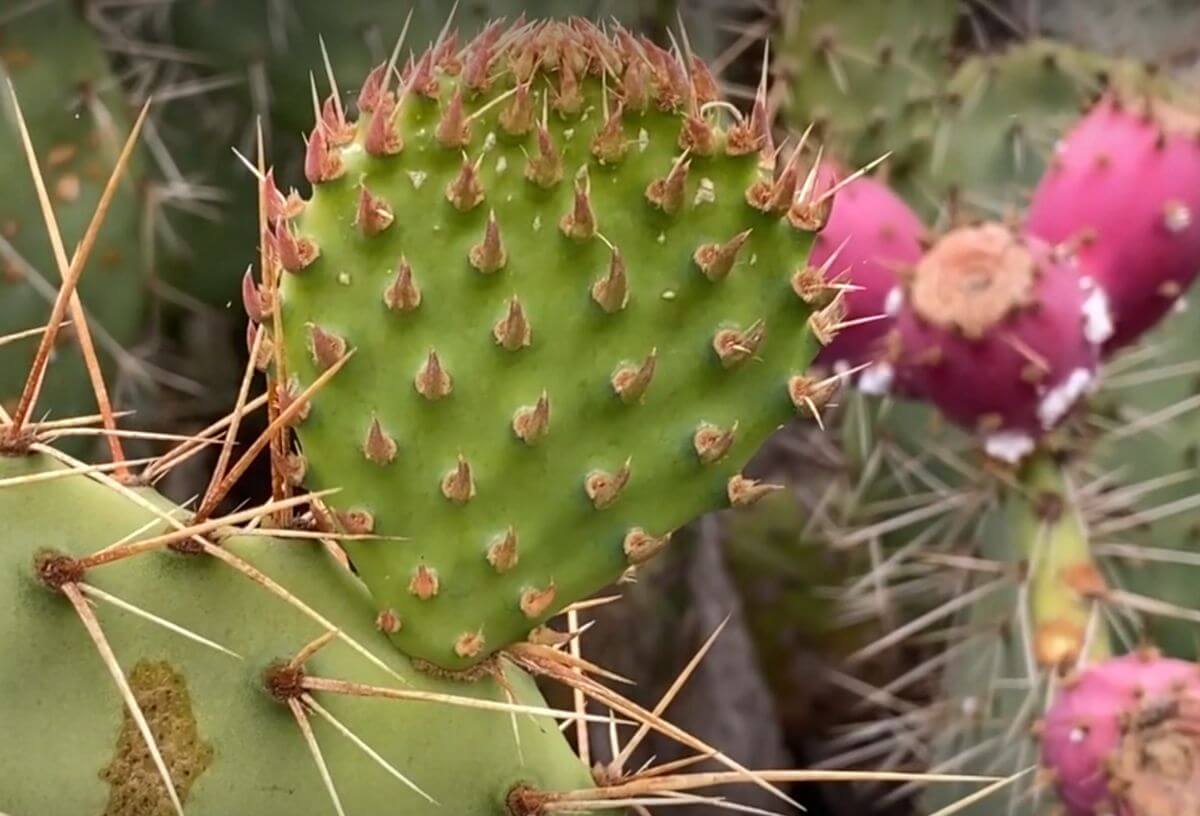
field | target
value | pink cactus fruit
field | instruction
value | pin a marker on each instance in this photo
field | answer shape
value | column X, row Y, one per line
column 999, row 332
column 1123, row 738
column 870, row 236
column 1124, row 190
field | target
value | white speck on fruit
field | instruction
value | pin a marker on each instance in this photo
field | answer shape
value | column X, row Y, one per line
column 1008, row 446
column 1058, row 400
column 1176, row 216
column 893, row 301
column 1097, row 316
column 876, row 378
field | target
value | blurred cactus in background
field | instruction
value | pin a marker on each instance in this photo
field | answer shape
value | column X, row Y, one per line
column 73, row 105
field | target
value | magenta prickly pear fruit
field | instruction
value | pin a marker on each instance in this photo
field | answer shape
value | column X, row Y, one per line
column 1124, row 191
column 871, row 235
column 1000, row 333
column 1124, row 738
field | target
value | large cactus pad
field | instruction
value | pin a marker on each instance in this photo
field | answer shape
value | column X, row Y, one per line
column 567, row 282
column 229, row 744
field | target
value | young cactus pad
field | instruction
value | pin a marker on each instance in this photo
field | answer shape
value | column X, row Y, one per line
column 229, row 743
column 566, row 280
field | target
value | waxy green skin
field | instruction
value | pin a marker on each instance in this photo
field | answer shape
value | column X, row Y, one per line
column 62, row 713
column 575, row 349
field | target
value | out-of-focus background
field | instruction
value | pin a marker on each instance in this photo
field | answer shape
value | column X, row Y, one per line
column 968, row 98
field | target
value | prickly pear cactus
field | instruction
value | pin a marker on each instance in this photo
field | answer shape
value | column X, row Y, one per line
column 867, row 74
column 74, row 119
column 1001, row 115
column 219, row 710
column 576, row 304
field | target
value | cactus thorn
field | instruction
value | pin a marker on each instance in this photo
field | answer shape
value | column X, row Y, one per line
column 356, row 522
column 697, row 136
column 611, row 292
column 609, row 144
column 374, row 215
column 294, row 253
column 490, row 255
column 831, row 318
column 639, row 546
column 379, row 447
column 388, row 622
column 704, row 84
column 459, row 484
column 327, row 348
column 753, row 134
column 630, row 382
column 424, row 583
column 253, row 299
column 810, row 394
column 454, row 128
column 744, row 492
column 667, row 194
column 545, row 168
column 580, row 222
column 536, row 602
column 734, row 347
column 712, row 443
column 513, row 332
column 716, row 260
column 531, row 422
column 469, row 644
column 433, row 382
column 517, row 118
column 288, row 394
column 502, row 553
column 568, row 98
column 402, row 294
column 465, row 191
column 322, row 160
column 383, row 137
column 604, row 488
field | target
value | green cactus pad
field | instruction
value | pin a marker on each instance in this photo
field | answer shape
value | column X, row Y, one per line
column 71, row 746
column 76, row 123
column 868, row 73
column 477, row 269
column 999, row 118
